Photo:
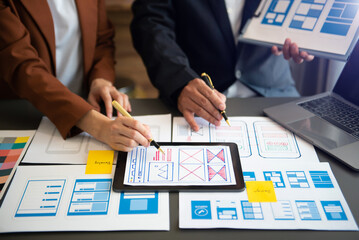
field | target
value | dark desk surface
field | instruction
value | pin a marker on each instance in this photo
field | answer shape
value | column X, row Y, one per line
column 18, row 114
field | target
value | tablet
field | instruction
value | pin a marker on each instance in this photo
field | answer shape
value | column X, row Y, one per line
column 184, row 167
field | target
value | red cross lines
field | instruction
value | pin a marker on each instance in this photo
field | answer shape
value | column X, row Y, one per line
column 191, row 165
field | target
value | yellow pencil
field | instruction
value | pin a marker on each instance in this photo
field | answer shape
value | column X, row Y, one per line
column 208, row 81
column 119, row 108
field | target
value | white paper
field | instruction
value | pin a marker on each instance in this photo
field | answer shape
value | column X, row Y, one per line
column 180, row 165
column 308, row 197
column 63, row 198
column 328, row 26
column 9, row 151
column 49, row 147
column 257, row 138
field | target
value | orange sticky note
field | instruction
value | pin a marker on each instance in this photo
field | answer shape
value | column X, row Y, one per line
column 260, row 191
column 99, row 162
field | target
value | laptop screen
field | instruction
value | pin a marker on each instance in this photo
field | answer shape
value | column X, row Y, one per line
column 347, row 85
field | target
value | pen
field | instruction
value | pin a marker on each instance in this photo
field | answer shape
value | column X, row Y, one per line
column 208, row 81
column 119, row 108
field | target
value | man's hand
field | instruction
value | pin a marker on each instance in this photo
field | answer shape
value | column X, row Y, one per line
column 291, row 50
column 102, row 89
column 197, row 98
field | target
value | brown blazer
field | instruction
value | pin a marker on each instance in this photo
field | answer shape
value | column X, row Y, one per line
column 27, row 57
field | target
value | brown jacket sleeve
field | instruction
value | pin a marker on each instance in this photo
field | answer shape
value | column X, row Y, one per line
column 31, row 76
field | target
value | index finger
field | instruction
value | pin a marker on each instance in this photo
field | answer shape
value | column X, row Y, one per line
column 213, row 97
column 107, row 99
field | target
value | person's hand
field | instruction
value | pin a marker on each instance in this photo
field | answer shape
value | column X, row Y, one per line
column 197, row 98
column 291, row 50
column 103, row 90
column 122, row 133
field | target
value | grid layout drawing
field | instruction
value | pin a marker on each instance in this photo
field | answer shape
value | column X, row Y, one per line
column 276, row 177
column 341, row 17
column 277, row 12
column 252, row 211
column 90, row 197
column 308, row 210
column 297, row 179
column 321, row 179
column 307, row 14
column 249, row 176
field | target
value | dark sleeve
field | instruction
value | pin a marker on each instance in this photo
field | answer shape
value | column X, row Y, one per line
column 154, row 38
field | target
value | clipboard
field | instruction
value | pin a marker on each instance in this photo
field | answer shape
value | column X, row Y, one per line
column 119, row 176
column 321, row 28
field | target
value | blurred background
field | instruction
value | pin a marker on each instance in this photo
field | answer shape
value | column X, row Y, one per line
column 317, row 76
column 131, row 74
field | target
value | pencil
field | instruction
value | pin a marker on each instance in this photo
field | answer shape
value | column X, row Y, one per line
column 119, row 108
column 208, row 81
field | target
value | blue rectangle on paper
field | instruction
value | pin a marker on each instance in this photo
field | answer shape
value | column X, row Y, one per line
column 249, row 176
column 321, row 179
column 101, row 196
column 335, row 12
column 335, row 28
column 201, row 209
column 338, row 5
column 98, row 200
column 99, row 207
column 100, row 186
column 138, row 204
column 314, row 13
column 339, row 20
column 350, row 11
column 308, row 210
column 334, row 211
column 296, row 24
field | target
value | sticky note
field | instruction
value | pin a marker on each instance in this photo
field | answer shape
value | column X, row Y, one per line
column 260, row 191
column 99, row 162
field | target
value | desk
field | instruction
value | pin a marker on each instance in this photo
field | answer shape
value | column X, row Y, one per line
column 19, row 114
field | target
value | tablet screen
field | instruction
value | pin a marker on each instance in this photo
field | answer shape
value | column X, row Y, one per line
column 184, row 166
column 180, row 165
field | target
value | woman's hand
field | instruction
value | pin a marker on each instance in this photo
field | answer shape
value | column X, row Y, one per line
column 103, row 90
column 122, row 134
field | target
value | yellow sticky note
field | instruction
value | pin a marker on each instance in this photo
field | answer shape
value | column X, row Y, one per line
column 21, row 139
column 99, row 162
column 260, row 191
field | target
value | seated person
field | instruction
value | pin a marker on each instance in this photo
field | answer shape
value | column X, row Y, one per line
column 180, row 39
column 52, row 53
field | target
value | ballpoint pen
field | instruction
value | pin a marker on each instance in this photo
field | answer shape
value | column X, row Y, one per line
column 208, row 81
column 119, row 108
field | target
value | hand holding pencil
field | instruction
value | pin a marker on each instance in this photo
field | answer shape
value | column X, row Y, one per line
column 119, row 108
column 197, row 98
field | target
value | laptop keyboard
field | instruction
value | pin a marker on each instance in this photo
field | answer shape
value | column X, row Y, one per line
column 336, row 112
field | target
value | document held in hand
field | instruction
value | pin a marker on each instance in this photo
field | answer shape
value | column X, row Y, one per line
column 324, row 28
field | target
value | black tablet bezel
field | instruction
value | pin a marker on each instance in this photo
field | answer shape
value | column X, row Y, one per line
column 119, row 186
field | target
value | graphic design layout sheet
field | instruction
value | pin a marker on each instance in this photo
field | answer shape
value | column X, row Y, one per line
column 63, row 198
column 181, row 165
column 49, row 147
column 256, row 137
column 308, row 197
column 314, row 25
column 13, row 145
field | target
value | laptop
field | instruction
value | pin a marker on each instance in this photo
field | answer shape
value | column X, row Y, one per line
column 329, row 121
